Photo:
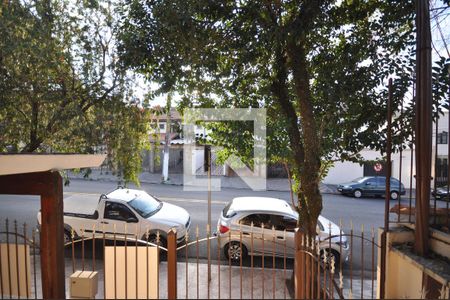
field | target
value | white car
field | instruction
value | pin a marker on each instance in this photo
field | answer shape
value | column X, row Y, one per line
column 240, row 213
column 123, row 213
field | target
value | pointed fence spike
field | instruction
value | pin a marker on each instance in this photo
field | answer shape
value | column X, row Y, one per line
column 442, row 292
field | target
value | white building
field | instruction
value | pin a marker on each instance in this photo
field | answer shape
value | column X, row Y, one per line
column 346, row 171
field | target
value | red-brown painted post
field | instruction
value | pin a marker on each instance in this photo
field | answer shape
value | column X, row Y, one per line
column 47, row 185
column 423, row 126
column 52, row 240
column 172, row 264
column 299, row 270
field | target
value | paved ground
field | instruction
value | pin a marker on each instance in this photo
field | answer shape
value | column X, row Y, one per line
column 276, row 283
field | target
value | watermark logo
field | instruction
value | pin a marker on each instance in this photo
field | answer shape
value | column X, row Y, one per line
column 193, row 153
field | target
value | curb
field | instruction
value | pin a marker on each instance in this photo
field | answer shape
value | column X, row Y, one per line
column 327, row 190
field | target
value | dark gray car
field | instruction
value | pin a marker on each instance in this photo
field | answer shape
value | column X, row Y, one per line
column 371, row 186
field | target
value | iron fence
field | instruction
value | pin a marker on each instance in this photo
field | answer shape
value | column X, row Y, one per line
column 19, row 260
column 403, row 209
column 261, row 263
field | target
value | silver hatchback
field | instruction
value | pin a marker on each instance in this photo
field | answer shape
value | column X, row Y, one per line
column 273, row 220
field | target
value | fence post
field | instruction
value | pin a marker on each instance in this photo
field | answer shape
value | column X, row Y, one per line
column 172, row 264
column 299, row 279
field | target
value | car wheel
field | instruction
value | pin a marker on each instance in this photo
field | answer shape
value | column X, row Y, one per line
column 233, row 251
column 394, row 195
column 357, row 193
column 327, row 256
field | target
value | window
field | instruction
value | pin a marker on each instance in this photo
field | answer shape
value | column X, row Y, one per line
column 120, row 212
column 145, row 205
column 162, row 126
column 283, row 223
column 381, row 181
column 442, row 137
column 257, row 219
column 371, row 181
column 226, row 211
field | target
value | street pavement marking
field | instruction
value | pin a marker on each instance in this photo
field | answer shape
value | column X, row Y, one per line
column 170, row 199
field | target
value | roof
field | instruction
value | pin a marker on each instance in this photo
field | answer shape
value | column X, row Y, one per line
column 174, row 114
column 125, row 194
column 261, row 204
column 31, row 163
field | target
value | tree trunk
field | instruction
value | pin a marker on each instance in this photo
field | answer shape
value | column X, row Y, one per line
column 309, row 197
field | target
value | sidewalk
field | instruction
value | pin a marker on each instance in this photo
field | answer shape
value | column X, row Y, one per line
column 273, row 184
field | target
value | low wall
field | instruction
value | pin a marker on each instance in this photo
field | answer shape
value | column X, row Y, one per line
column 406, row 272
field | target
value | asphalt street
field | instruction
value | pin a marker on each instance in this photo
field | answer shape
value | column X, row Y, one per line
column 348, row 211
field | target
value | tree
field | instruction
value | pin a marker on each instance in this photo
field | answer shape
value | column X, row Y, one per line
column 318, row 66
column 61, row 89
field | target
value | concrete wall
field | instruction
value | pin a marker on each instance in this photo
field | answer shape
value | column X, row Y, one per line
column 405, row 273
column 346, row 171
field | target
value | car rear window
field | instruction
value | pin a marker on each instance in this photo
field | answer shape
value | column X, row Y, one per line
column 227, row 213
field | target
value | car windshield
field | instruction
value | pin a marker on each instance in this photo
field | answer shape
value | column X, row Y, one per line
column 145, row 205
column 359, row 179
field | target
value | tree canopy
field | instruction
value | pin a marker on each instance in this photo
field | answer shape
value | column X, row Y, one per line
column 319, row 67
column 61, row 87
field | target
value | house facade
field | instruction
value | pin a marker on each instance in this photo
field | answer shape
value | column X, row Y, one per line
column 402, row 164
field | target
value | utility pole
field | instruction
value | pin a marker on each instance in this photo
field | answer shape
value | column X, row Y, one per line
column 165, row 168
column 423, row 127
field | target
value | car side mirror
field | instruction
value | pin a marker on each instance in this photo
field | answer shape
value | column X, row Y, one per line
column 132, row 220
column 368, row 183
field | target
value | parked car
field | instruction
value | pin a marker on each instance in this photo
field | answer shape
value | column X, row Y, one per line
column 241, row 212
column 441, row 193
column 371, row 186
column 123, row 212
